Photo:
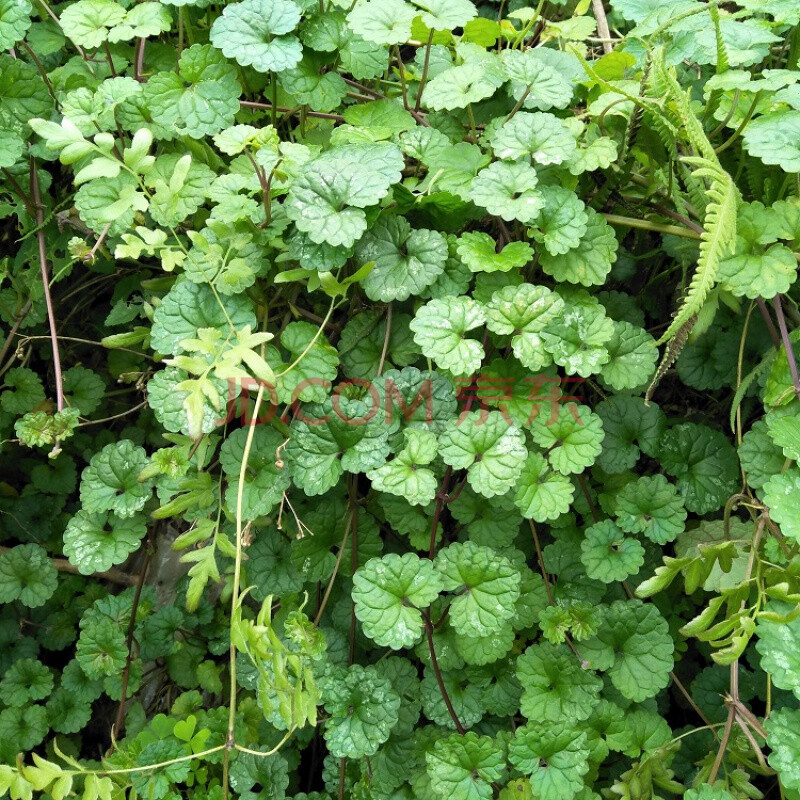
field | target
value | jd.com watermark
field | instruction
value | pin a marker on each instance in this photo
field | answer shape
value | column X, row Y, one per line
column 480, row 393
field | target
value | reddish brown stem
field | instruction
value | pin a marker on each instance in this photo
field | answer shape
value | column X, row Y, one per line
column 587, row 494
column 139, row 65
column 438, row 673
column 287, row 110
column 424, row 77
column 540, row 559
column 440, row 499
column 119, row 723
column 51, row 318
column 787, row 343
column 773, row 333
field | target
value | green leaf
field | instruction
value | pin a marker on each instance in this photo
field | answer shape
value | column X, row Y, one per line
column 327, row 199
column 464, row 766
column 200, row 99
column 783, row 737
column 633, row 355
column 650, row 505
column 40, row 429
column 631, row 427
column 67, row 713
column 542, row 494
column 329, row 33
column 25, row 681
column 388, row 593
column 479, row 252
column 361, row 343
column 22, row 391
column 639, row 732
column 704, row 463
column 250, row 771
column 773, row 138
column 494, row 523
column 536, row 83
column 590, row 261
column 180, row 187
column 27, row 575
column 363, row 709
column 15, row 19
column 12, row 145
column 169, row 403
column 488, row 586
column 784, row 431
column 95, row 542
column 26, row 727
column 562, row 222
column 89, row 22
column 440, row 328
column 634, row 646
column 83, row 389
column 188, row 308
column 91, row 112
column 405, row 476
column 265, row 480
column 257, row 33
column 578, row 340
column 759, row 456
column 101, row 648
column 600, row 152
column 220, row 256
column 480, row 650
column 410, row 397
column 110, row 202
column 580, row 619
column 387, row 116
column 315, row 363
column 780, row 494
column 555, row 685
column 778, row 644
column 444, row 15
column 111, row 483
column 24, row 94
column 315, row 552
column 462, row 85
column 382, row 21
column 325, row 442
column 268, row 566
column 320, row 91
column 405, row 261
column 544, row 138
column 142, row 21
column 508, row 190
column 608, row 555
column 573, row 440
column 488, row 447
column 759, row 274
column 554, row 755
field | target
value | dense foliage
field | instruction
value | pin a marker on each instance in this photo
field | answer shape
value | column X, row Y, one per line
column 400, row 400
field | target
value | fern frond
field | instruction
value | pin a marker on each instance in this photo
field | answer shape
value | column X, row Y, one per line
column 719, row 222
column 696, row 189
column 717, row 239
column 667, row 132
column 723, row 64
column 670, row 355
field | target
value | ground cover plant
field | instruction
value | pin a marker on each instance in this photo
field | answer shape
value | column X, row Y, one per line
column 399, row 399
